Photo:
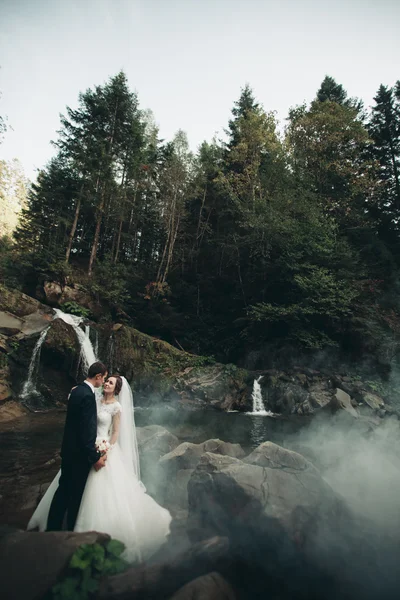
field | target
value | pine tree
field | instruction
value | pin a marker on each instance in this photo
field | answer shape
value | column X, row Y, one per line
column 384, row 129
column 331, row 91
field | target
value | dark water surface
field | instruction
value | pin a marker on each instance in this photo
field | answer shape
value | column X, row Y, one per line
column 197, row 426
column 29, row 446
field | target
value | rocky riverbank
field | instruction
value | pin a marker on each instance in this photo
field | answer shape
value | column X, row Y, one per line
column 243, row 523
column 161, row 373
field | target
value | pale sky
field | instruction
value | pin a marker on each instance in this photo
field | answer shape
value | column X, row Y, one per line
column 186, row 59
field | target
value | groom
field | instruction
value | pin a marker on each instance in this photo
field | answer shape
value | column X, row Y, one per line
column 78, row 450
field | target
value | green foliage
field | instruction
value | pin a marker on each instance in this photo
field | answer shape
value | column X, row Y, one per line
column 267, row 240
column 201, row 361
column 109, row 283
column 88, row 564
column 74, row 308
column 14, row 347
column 230, row 369
column 376, row 386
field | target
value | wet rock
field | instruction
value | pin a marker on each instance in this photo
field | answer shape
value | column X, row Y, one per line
column 168, row 575
column 11, row 410
column 272, row 482
column 342, row 401
column 273, row 456
column 58, row 295
column 285, row 394
column 154, row 442
column 5, row 390
column 269, row 511
column 374, row 401
column 9, row 324
column 218, row 386
column 31, row 562
column 208, row 587
column 176, row 467
column 187, row 455
column 53, row 292
column 176, row 495
column 18, row 304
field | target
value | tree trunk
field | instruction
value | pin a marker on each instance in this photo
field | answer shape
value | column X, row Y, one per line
column 118, row 240
column 96, row 235
column 73, row 229
column 171, row 251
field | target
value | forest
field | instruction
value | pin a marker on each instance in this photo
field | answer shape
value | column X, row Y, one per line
column 278, row 242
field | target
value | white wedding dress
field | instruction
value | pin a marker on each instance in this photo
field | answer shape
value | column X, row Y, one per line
column 114, row 500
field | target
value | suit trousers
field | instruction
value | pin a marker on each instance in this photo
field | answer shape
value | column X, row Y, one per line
column 68, row 496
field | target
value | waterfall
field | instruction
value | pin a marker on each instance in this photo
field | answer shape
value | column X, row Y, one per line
column 96, row 343
column 256, row 396
column 87, row 355
column 258, row 404
column 29, row 387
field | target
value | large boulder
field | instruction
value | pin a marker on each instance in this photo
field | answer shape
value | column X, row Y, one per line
column 9, row 324
column 21, row 315
column 58, row 368
column 241, row 499
column 222, row 386
column 154, row 441
column 18, row 304
column 207, row 587
column 32, row 562
column 341, row 401
column 187, row 455
column 71, row 294
column 176, row 468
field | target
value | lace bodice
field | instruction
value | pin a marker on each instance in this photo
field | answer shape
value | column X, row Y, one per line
column 108, row 419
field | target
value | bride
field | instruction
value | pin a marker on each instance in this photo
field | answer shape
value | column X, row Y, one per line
column 114, row 500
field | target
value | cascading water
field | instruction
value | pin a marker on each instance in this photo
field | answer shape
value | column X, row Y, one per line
column 258, row 404
column 256, row 396
column 87, row 355
column 29, row 387
column 96, row 343
column 110, row 352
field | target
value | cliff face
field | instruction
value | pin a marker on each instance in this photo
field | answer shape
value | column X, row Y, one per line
column 158, row 372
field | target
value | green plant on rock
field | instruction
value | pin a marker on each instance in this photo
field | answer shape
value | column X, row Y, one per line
column 73, row 308
column 14, row 346
column 203, row 361
column 230, row 369
column 88, row 564
column 376, row 386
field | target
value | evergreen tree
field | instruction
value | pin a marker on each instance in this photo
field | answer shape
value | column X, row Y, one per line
column 332, row 91
column 328, row 154
column 384, row 129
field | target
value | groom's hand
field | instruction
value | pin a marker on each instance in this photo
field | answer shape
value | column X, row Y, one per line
column 100, row 463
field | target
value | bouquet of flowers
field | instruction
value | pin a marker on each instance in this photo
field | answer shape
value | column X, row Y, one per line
column 102, row 445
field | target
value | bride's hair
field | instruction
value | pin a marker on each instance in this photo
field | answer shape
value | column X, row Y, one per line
column 118, row 384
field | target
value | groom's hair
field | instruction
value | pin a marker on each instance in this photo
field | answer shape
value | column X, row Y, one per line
column 97, row 368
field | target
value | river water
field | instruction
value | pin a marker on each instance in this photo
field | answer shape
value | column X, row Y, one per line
column 29, row 446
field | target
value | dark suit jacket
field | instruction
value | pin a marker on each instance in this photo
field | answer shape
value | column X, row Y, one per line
column 80, row 427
